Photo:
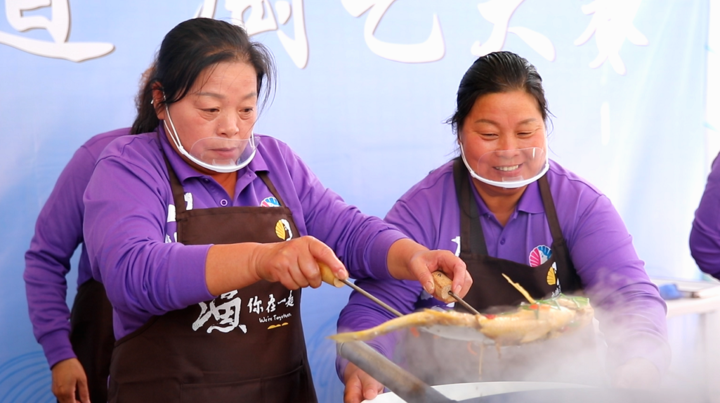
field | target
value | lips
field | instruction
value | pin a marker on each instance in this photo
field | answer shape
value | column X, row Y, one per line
column 225, row 151
column 509, row 168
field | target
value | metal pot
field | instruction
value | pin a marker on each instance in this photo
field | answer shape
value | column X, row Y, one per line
column 540, row 392
column 463, row 391
column 408, row 388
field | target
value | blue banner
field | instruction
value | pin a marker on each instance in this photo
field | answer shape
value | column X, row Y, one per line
column 364, row 89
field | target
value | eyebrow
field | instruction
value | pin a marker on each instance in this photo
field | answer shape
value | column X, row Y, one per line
column 492, row 122
column 216, row 95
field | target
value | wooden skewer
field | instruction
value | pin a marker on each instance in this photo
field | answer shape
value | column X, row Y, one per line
column 521, row 289
column 443, row 286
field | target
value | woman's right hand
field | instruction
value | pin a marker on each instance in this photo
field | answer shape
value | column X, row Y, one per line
column 359, row 385
column 69, row 380
column 294, row 263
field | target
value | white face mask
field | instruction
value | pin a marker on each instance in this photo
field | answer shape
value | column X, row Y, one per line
column 217, row 154
column 509, row 169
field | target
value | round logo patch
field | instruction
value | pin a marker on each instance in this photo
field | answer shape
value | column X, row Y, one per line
column 270, row 202
column 539, row 255
column 282, row 230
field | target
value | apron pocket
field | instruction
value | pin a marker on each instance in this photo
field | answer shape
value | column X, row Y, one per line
column 288, row 387
column 144, row 392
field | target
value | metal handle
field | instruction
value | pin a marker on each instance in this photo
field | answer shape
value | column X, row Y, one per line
column 404, row 384
column 329, row 277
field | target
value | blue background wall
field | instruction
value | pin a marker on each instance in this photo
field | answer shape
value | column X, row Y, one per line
column 369, row 126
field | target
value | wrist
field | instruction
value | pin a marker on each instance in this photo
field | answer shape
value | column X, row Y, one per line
column 400, row 256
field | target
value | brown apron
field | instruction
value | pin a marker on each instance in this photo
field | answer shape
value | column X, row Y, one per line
column 490, row 288
column 442, row 361
column 91, row 336
column 244, row 346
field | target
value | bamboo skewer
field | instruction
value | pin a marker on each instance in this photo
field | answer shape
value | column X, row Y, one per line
column 521, row 289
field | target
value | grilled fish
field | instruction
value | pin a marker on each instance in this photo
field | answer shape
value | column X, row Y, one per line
column 529, row 322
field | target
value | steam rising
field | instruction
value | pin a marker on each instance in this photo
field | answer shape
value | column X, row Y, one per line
column 627, row 327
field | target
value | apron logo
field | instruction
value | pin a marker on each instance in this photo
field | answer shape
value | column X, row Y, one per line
column 539, row 255
column 551, row 277
column 282, row 230
column 270, row 202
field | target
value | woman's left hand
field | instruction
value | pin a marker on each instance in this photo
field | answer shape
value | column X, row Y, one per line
column 408, row 260
column 638, row 373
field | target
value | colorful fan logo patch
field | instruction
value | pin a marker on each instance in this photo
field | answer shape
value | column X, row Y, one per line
column 539, row 255
column 270, row 202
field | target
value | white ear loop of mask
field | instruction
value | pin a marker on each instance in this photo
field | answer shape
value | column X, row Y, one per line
column 220, row 169
column 505, row 185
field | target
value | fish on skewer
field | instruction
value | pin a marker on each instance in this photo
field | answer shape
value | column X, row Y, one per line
column 529, row 322
column 424, row 318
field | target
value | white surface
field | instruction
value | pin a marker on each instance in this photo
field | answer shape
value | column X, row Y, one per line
column 461, row 391
column 709, row 311
column 692, row 289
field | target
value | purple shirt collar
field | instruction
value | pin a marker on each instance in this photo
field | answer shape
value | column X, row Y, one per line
column 530, row 202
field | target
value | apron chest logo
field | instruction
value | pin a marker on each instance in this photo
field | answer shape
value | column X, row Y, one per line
column 539, row 255
column 270, row 202
column 551, row 277
column 282, row 230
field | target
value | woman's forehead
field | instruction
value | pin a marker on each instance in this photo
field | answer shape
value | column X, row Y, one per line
column 519, row 105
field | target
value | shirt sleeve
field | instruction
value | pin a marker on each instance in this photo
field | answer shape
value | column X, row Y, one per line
column 627, row 304
column 705, row 233
column 359, row 240
column 126, row 212
column 58, row 232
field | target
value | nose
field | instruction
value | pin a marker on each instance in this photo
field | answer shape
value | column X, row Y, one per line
column 507, row 142
column 229, row 125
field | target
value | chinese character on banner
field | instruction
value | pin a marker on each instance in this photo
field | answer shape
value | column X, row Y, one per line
column 499, row 12
column 431, row 50
column 612, row 23
column 227, row 315
column 58, row 26
column 262, row 18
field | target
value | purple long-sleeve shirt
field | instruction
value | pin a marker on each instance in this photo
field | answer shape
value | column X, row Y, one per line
column 58, row 233
column 130, row 223
column 628, row 305
column 705, row 233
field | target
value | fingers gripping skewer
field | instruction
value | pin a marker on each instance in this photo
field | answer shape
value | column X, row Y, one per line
column 443, row 284
column 329, row 277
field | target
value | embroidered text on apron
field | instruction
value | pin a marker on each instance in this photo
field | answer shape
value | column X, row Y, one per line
column 91, row 336
column 244, row 346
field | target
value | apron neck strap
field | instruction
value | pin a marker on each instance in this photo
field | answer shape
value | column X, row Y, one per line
column 471, row 234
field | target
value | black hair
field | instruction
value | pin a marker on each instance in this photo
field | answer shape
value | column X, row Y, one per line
column 186, row 51
column 495, row 73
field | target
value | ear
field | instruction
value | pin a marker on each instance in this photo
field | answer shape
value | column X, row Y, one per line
column 158, row 98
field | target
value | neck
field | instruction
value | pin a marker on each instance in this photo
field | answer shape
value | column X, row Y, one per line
column 227, row 181
column 501, row 202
